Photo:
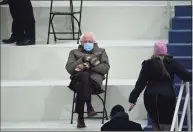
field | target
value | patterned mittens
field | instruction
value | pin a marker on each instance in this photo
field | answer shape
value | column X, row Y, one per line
column 82, row 66
column 92, row 59
column 88, row 60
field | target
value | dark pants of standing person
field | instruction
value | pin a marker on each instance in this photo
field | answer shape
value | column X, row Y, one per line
column 84, row 86
column 23, row 25
column 161, row 110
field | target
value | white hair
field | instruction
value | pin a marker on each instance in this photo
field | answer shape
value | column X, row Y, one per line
column 91, row 33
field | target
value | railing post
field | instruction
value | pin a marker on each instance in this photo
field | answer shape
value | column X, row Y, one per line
column 176, row 124
column 169, row 14
column 175, row 116
column 184, row 112
column 188, row 107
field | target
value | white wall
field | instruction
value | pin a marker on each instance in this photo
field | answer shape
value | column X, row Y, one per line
column 108, row 20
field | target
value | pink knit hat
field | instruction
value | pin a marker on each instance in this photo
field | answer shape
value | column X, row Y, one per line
column 160, row 48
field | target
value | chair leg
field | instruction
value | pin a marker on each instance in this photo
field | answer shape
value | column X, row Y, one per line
column 104, row 112
column 55, row 38
column 48, row 38
column 104, row 109
column 79, row 22
column 72, row 112
column 105, row 95
column 79, row 32
column 105, row 115
column 72, row 19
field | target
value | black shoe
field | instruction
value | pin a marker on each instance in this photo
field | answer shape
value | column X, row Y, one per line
column 91, row 113
column 10, row 40
column 25, row 42
column 81, row 123
column 4, row 2
column 19, row 43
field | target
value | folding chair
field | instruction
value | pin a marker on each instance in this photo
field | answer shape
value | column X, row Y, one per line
column 72, row 13
column 104, row 112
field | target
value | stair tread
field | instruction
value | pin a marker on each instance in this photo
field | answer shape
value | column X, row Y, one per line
column 182, row 17
column 178, row 84
column 150, row 126
column 180, row 112
column 182, row 57
column 183, row 5
column 181, row 30
column 179, row 44
column 183, row 98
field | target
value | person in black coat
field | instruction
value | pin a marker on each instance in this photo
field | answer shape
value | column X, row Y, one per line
column 120, row 121
column 23, row 25
column 157, row 78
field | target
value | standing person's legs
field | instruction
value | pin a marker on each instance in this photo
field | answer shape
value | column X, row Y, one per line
column 17, row 28
column 28, row 22
column 150, row 105
column 166, row 106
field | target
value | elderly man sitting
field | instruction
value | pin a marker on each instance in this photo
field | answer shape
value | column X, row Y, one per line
column 87, row 66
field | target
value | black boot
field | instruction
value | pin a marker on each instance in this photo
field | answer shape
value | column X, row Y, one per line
column 25, row 42
column 10, row 40
column 80, row 123
column 90, row 110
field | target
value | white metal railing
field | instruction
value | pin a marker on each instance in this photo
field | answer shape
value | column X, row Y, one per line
column 186, row 108
column 169, row 11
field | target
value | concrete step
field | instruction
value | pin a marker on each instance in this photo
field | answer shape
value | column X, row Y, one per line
column 177, row 87
column 119, row 20
column 149, row 128
column 48, row 61
column 62, row 125
column 185, row 10
column 26, row 101
column 182, row 103
column 177, row 80
column 180, row 36
column 186, row 61
column 180, row 49
column 185, row 127
column 182, row 23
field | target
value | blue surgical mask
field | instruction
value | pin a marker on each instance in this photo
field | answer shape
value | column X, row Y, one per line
column 88, row 46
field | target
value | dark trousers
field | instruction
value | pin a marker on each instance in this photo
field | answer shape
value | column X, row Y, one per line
column 84, row 86
column 23, row 25
column 160, row 108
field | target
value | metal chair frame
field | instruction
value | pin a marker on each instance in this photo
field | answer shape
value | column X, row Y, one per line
column 72, row 13
column 104, row 112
